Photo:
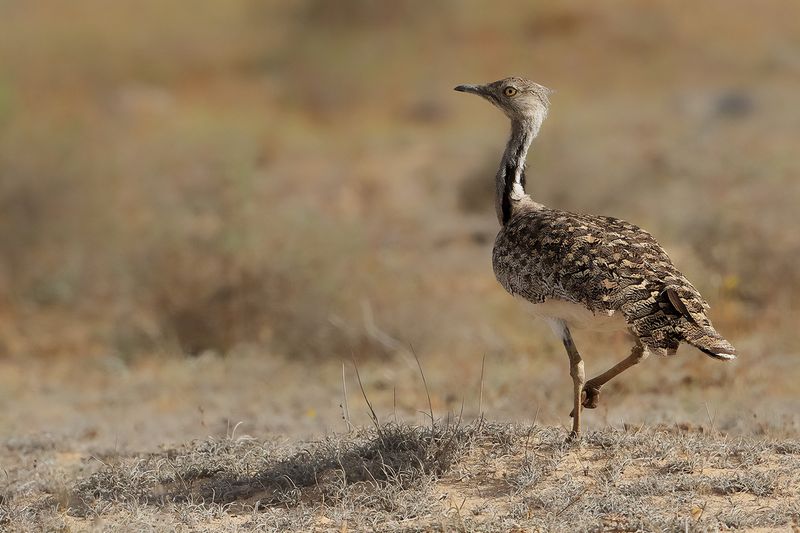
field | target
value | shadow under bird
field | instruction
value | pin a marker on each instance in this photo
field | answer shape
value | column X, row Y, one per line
column 586, row 271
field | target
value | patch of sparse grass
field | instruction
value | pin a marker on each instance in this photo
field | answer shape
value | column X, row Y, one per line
column 484, row 476
column 756, row 483
column 375, row 469
column 532, row 471
column 787, row 448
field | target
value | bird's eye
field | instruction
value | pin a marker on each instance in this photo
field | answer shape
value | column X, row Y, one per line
column 509, row 91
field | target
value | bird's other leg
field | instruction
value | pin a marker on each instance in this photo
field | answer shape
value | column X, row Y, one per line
column 577, row 372
column 593, row 386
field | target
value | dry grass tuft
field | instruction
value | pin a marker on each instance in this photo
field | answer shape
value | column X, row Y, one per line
column 367, row 469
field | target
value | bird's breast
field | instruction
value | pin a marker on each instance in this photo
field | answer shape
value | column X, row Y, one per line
column 576, row 316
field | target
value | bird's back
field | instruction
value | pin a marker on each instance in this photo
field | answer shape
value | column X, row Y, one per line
column 608, row 266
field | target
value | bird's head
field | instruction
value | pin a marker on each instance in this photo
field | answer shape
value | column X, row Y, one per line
column 520, row 99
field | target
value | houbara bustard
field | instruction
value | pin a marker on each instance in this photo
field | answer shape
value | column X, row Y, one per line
column 586, row 271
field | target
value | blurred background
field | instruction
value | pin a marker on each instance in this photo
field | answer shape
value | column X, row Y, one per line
column 206, row 208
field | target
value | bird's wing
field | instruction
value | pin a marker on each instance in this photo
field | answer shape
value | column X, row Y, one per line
column 604, row 263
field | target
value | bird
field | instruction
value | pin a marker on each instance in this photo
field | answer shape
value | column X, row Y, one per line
column 583, row 271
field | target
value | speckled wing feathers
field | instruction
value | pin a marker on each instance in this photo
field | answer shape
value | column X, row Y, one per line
column 607, row 265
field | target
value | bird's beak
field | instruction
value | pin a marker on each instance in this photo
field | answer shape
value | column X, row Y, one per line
column 474, row 89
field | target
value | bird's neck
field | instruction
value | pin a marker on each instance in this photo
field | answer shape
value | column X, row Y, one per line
column 511, row 192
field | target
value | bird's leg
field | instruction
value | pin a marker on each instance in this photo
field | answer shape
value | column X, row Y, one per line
column 593, row 386
column 578, row 378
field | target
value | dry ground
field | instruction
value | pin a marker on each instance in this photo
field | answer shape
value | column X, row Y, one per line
column 479, row 477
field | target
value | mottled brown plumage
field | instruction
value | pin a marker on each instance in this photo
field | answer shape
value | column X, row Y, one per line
column 558, row 261
column 607, row 265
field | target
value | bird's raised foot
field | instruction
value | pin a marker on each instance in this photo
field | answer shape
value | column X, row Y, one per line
column 589, row 398
column 591, row 395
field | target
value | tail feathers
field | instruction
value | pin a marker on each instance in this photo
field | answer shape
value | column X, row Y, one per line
column 723, row 351
column 707, row 340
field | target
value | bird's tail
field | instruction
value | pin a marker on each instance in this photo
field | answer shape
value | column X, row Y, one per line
column 706, row 339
